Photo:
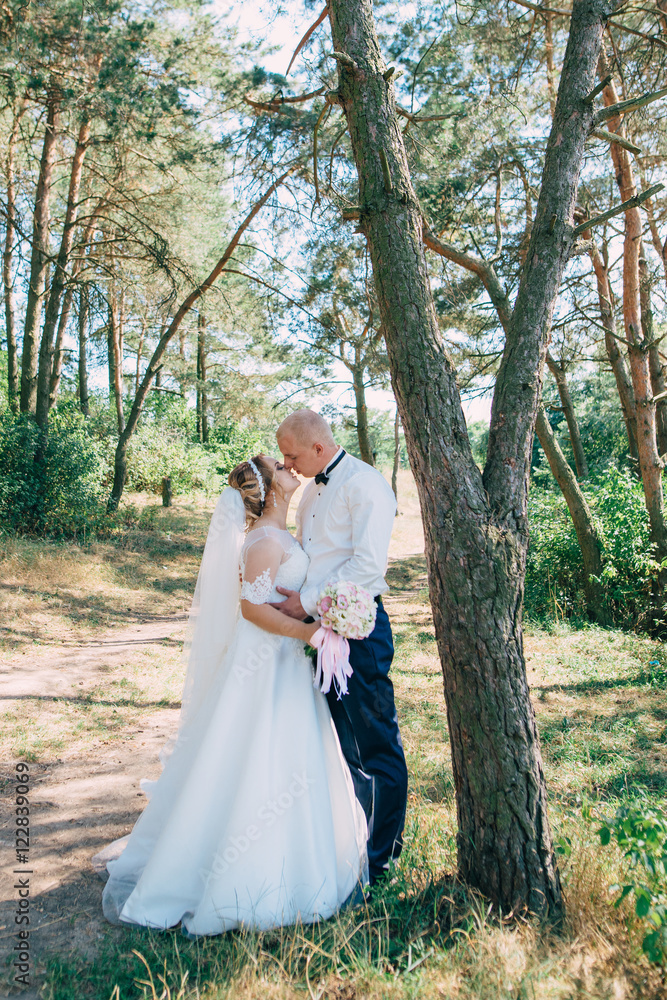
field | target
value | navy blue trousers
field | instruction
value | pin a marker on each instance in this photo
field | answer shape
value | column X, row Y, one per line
column 367, row 726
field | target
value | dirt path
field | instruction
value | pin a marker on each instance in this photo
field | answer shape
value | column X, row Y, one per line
column 79, row 802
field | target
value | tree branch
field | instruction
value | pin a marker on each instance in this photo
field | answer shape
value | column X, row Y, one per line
column 307, row 35
column 631, row 105
column 601, row 133
column 276, row 103
column 597, row 89
column 426, row 118
column 618, row 210
column 543, row 10
column 640, row 34
column 484, row 271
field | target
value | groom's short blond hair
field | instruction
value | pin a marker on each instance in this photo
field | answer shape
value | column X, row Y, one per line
column 306, row 427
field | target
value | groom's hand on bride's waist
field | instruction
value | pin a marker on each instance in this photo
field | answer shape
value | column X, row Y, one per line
column 292, row 605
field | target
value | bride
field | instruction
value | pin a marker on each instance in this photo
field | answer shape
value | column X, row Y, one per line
column 253, row 821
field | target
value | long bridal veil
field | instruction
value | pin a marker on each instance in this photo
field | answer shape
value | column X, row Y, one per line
column 215, row 604
column 210, row 630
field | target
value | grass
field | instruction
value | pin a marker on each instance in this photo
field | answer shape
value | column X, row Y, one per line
column 599, row 697
column 54, row 593
column 37, row 727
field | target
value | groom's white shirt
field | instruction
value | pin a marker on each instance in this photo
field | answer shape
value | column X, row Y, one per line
column 345, row 526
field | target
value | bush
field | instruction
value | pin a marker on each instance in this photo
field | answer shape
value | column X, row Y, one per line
column 154, row 452
column 554, row 573
column 233, row 443
column 48, row 486
column 640, row 831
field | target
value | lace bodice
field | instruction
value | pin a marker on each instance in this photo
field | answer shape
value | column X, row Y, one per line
column 259, row 586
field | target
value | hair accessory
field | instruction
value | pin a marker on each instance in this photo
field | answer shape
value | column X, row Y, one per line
column 260, row 481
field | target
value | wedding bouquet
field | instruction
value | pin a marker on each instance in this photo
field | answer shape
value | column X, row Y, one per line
column 346, row 611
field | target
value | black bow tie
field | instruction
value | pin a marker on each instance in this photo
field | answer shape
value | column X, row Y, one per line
column 323, row 477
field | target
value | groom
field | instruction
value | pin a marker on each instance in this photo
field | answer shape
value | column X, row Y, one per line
column 344, row 523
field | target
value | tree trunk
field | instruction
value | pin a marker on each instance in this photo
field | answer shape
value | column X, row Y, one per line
column 365, row 447
column 115, row 354
column 167, row 492
column 202, row 395
column 68, row 298
column 587, row 536
column 140, row 347
column 83, row 351
column 559, row 374
column 59, row 349
column 650, row 464
column 476, row 531
column 616, row 357
column 549, row 59
column 7, row 267
column 397, row 454
column 658, row 384
column 658, row 245
column 39, row 259
column 154, row 365
column 60, row 278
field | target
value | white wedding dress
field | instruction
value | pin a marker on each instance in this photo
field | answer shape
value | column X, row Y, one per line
column 253, row 821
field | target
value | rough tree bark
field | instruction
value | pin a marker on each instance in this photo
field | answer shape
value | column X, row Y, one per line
column 120, row 463
column 7, row 265
column 587, row 536
column 476, row 528
column 202, row 395
column 39, row 260
column 559, row 373
column 59, row 279
column 650, row 464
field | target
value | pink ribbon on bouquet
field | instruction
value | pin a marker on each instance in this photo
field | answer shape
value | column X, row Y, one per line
column 333, row 661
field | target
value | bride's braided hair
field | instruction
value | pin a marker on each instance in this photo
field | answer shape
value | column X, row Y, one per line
column 243, row 479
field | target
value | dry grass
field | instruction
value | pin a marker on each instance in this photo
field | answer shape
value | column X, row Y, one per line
column 52, row 594
column 37, row 728
column 602, row 719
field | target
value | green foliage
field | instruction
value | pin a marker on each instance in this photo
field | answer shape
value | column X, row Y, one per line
column 640, row 830
column 599, row 416
column 164, row 447
column 48, row 487
column 156, row 451
column 234, row 443
column 554, row 576
column 478, row 434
